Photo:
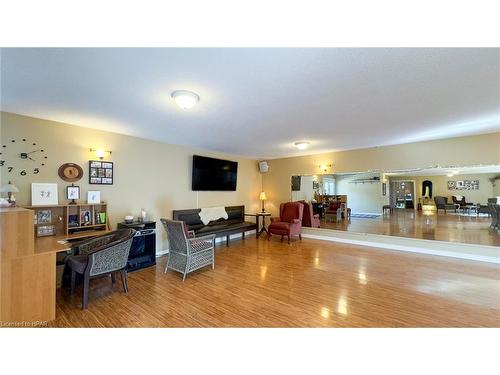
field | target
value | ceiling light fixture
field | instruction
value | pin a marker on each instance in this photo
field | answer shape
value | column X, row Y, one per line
column 185, row 99
column 301, row 145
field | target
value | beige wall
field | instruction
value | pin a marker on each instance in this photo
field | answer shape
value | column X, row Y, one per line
column 496, row 189
column 463, row 151
column 150, row 175
column 440, row 186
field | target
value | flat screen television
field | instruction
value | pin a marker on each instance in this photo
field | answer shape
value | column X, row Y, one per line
column 214, row 174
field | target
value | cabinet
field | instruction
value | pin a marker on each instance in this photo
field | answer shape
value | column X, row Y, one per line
column 71, row 219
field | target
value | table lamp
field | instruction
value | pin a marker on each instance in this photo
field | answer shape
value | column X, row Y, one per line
column 9, row 189
column 263, row 197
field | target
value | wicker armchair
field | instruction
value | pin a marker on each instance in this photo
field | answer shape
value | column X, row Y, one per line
column 99, row 256
column 187, row 253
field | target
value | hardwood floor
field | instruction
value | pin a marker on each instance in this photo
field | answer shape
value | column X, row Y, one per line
column 408, row 223
column 311, row 283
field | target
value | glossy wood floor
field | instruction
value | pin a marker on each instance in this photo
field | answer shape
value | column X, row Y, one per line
column 311, row 283
column 408, row 223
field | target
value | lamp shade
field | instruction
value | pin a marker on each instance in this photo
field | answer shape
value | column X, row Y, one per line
column 9, row 188
column 262, row 196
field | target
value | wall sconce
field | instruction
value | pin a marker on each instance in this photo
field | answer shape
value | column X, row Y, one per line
column 324, row 167
column 100, row 153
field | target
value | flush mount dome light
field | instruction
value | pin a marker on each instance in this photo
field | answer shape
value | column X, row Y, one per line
column 301, row 145
column 185, row 99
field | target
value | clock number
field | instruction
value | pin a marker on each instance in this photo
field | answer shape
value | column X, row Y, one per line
column 2, row 163
column 35, row 171
column 10, row 169
column 23, row 173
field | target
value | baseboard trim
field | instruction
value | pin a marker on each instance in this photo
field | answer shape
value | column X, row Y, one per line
column 366, row 213
column 217, row 241
column 481, row 253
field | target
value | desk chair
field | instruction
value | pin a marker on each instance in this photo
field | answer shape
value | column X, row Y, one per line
column 99, row 256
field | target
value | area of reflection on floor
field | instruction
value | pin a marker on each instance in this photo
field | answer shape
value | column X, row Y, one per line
column 448, row 227
column 471, row 289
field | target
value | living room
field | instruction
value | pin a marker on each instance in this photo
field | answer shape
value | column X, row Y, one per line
column 228, row 187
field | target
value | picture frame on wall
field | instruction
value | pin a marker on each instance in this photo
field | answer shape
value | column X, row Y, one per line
column 463, row 185
column 44, row 194
column 73, row 192
column 101, row 172
column 93, row 197
column 384, row 189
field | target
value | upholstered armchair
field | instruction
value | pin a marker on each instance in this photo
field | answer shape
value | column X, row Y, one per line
column 289, row 223
column 442, row 204
column 107, row 254
column 334, row 209
column 309, row 219
column 187, row 253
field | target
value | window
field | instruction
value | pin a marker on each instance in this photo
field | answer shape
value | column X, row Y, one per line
column 329, row 187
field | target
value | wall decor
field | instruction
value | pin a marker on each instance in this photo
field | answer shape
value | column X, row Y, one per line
column 463, row 185
column 43, row 216
column 93, row 196
column 32, row 155
column 45, row 230
column 44, row 194
column 100, row 172
column 70, row 172
column 73, row 192
column 384, row 189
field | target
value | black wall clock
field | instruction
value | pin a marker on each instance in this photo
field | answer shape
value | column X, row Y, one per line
column 22, row 157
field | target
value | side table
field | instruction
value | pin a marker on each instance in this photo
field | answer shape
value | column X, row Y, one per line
column 262, row 227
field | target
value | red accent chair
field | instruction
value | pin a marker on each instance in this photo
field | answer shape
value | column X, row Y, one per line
column 289, row 223
column 309, row 219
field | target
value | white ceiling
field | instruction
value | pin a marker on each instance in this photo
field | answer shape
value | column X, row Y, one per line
column 257, row 102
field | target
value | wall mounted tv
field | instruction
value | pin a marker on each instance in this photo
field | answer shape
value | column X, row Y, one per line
column 214, row 174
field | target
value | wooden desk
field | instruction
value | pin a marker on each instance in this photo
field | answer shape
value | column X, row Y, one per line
column 28, row 268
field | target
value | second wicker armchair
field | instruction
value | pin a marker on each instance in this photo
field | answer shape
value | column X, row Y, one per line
column 186, row 252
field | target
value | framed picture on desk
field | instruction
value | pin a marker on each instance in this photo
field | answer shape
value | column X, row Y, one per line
column 45, row 230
